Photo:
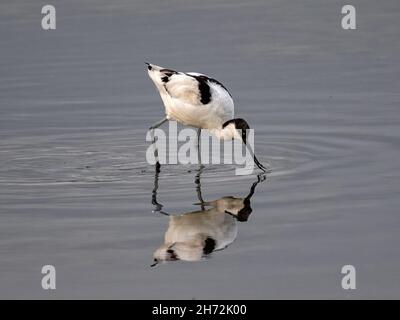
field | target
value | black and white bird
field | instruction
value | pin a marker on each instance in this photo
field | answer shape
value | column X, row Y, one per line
column 194, row 99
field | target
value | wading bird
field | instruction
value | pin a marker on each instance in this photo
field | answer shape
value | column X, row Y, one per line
column 194, row 99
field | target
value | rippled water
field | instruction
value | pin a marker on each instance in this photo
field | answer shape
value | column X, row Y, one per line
column 76, row 191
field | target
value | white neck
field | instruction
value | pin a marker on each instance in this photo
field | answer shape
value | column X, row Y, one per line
column 227, row 133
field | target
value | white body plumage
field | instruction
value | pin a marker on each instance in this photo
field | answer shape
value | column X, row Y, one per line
column 196, row 100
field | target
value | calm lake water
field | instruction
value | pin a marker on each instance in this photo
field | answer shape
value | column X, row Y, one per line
column 76, row 191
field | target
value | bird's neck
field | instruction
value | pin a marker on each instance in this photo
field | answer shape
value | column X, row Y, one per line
column 227, row 133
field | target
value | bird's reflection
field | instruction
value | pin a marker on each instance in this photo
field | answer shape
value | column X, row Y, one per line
column 194, row 235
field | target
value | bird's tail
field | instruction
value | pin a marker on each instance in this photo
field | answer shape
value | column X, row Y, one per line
column 153, row 67
column 155, row 74
column 158, row 74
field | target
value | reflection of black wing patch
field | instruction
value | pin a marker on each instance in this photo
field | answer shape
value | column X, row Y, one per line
column 209, row 245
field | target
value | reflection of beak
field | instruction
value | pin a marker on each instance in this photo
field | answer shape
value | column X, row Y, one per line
column 260, row 165
column 242, row 215
column 230, row 213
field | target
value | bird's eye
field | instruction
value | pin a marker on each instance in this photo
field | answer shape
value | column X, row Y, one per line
column 170, row 251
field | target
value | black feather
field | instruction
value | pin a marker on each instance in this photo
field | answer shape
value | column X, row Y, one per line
column 204, row 87
column 209, row 245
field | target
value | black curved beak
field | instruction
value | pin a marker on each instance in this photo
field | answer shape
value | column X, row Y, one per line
column 261, row 166
column 258, row 163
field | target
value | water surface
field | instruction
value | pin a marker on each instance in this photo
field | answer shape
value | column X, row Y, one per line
column 76, row 191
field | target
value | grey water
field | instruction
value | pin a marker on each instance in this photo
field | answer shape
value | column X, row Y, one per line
column 76, row 190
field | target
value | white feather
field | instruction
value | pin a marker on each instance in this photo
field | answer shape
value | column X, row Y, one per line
column 182, row 99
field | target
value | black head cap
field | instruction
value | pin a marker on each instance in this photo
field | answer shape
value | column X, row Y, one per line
column 240, row 124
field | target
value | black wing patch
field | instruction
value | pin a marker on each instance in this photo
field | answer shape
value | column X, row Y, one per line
column 204, row 88
column 167, row 74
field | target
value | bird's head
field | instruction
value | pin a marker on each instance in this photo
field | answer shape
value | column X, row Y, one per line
column 239, row 130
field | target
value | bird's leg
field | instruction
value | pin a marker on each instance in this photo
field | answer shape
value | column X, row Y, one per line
column 154, row 201
column 159, row 123
column 199, row 172
column 199, row 149
column 198, row 188
column 198, row 146
column 155, row 150
column 153, row 140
